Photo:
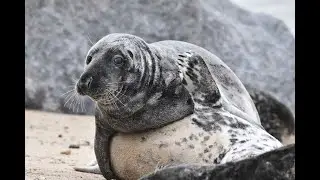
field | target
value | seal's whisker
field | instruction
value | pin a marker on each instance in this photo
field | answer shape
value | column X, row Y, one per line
column 109, row 99
column 122, row 94
column 74, row 80
column 72, row 86
column 89, row 40
column 69, row 91
column 115, row 103
column 82, row 105
column 72, row 103
column 69, row 98
column 116, row 97
column 115, row 82
column 77, row 103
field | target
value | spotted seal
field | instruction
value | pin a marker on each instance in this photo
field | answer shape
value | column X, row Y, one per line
column 138, row 89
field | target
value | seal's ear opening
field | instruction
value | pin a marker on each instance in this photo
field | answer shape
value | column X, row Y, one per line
column 130, row 54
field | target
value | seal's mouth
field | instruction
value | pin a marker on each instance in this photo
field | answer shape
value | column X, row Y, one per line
column 80, row 91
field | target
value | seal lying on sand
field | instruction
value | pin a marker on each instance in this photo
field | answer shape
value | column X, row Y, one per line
column 139, row 93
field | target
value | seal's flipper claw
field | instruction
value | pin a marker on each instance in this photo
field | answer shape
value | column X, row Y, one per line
column 89, row 169
column 93, row 163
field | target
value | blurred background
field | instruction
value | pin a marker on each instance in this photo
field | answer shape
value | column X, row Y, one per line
column 255, row 38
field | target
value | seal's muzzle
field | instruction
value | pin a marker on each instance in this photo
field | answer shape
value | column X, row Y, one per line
column 83, row 85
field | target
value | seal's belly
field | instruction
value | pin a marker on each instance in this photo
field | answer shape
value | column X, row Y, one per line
column 180, row 142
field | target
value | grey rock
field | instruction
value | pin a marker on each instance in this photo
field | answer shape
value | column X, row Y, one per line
column 257, row 47
column 278, row 164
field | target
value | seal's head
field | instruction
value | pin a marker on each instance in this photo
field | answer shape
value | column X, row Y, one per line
column 119, row 72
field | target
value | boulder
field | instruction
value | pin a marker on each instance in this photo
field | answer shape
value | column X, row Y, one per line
column 58, row 33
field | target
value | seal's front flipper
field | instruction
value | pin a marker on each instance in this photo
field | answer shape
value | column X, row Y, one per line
column 102, row 152
column 94, row 169
column 198, row 80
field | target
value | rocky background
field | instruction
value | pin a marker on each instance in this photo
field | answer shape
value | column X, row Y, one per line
column 257, row 47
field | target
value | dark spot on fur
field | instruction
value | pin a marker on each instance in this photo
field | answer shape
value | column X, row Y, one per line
column 189, row 69
column 163, row 145
column 206, row 138
column 210, row 146
column 177, row 143
column 239, row 125
column 233, row 140
column 210, row 155
column 215, row 161
column 191, row 64
column 233, row 135
column 191, row 146
column 206, row 150
column 143, row 139
column 195, row 61
column 197, row 122
column 257, row 147
column 174, row 129
column 208, row 126
column 200, row 154
column 189, row 101
column 205, row 160
column 200, row 134
column 182, row 55
column 184, row 140
column 184, row 82
column 267, row 136
column 243, row 141
column 221, row 155
column 211, row 98
column 192, row 136
column 192, row 76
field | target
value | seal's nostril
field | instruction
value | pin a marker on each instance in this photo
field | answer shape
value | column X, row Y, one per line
column 79, row 89
column 89, row 82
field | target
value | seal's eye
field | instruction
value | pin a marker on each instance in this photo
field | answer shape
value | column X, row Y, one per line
column 118, row 61
column 89, row 58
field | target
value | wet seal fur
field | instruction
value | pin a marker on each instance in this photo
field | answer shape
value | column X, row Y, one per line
column 140, row 93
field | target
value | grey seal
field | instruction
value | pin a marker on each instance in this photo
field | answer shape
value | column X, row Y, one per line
column 137, row 88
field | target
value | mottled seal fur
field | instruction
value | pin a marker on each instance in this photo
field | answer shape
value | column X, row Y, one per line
column 140, row 93
column 275, row 117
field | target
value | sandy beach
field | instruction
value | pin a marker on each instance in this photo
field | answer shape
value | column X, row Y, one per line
column 50, row 134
